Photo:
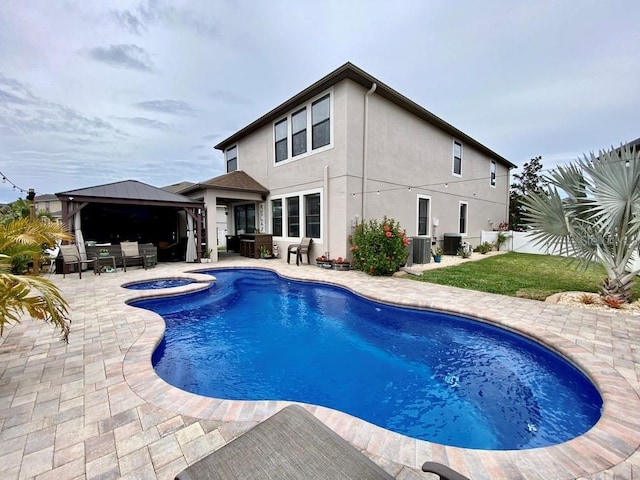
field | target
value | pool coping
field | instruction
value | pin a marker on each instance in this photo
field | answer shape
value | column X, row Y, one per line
column 614, row 438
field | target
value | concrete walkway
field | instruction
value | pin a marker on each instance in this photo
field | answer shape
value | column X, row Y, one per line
column 94, row 409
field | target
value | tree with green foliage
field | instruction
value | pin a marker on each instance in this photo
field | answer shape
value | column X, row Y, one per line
column 379, row 248
column 525, row 183
column 34, row 295
column 591, row 212
column 20, row 208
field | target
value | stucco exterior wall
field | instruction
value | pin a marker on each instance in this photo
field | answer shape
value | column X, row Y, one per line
column 404, row 151
column 401, row 151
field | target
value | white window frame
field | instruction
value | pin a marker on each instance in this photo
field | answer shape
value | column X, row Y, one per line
column 418, row 198
column 453, row 158
column 466, row 218
column 226, row 160
column 302, row 223
column 493, row 173
column 308, row 106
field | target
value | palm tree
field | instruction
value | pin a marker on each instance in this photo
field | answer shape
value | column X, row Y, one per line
column 33, row 295
column 591, row 211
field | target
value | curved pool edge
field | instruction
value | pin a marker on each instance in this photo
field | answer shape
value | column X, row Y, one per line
column 611, row 441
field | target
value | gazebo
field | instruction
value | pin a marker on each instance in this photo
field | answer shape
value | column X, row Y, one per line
column 134, row 211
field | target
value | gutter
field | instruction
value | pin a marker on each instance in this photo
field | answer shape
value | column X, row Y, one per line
column 365, row 150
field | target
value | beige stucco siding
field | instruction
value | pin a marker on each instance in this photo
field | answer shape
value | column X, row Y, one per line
column 405, row 151
column 375, row 155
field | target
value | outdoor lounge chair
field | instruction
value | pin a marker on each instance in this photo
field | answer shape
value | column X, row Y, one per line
column 298, row 249
column 131, row 254
column 71, row 256
column 293, row 445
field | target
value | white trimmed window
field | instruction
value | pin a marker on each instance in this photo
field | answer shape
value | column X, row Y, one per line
column 231, row 158
column 492, row 173
column 457, row 158
column 297, row 215
column 305, row 131
column 276, row 216
column 463, row 218
column 424, row 215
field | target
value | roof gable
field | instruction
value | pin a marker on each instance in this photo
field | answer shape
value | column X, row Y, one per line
column 237, row 181
column 128, row 190
column 351, row 72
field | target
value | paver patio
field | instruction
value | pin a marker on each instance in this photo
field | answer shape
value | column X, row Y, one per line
column 94, row 409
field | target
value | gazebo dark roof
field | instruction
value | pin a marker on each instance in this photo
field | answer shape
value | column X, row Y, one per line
column 128, row 191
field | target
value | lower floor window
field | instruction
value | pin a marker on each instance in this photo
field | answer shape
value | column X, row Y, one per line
column 276, row 215
column 245, row 216
column 463, row 217
column 297, row 216
column 312, row 215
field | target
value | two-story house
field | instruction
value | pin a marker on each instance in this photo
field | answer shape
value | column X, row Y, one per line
column 348, row 149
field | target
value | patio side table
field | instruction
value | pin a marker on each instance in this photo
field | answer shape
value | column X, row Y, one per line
column 98, row 267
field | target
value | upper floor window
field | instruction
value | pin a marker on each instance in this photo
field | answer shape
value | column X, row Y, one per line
column 299, row 132
column 463, row 217
column 231, row 157
column 424, row 206
column 492, row 173
column 321, row 122
column 281, row 140
column 457, row 158
column 305, row 130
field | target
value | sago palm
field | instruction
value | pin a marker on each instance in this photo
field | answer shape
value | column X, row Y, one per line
column 33, row 295
column 591, row 212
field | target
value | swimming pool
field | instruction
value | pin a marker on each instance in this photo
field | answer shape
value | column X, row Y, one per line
column 158, row 283
column 430, row 376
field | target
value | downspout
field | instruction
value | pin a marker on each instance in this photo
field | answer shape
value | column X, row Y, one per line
column 325, row 210
column 365, row 140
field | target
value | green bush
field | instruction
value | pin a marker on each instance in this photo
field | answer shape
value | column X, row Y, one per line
column 379, row 248
column 484, row 248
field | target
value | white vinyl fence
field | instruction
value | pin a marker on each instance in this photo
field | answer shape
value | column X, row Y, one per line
column 523, row 242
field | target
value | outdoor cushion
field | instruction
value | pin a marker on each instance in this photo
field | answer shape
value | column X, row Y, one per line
column 292, row 444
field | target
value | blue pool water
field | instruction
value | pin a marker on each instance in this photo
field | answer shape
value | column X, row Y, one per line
column 158, row 284
column 431, row 376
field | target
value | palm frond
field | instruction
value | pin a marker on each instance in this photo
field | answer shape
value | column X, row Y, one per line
column 35, row 296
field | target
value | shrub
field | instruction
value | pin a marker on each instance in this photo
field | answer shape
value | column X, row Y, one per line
column 379, row 248
column 614, row 301
column 463, row 253
column 587, row 299
column 484, row 248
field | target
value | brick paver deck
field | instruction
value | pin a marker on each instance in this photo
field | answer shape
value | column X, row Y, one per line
column 94, row 409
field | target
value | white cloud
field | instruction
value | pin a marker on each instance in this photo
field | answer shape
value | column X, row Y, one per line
column 94, row 92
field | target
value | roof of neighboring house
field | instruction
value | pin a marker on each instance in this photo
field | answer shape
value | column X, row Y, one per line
column 126, row 192
column 238, row 181
column 351, row 72
column 177, row 187
column 45, row 197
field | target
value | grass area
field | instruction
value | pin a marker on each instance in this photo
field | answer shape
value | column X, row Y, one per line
column 521, row 275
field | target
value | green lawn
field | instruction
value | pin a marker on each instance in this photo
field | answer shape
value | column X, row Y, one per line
column 520, row 275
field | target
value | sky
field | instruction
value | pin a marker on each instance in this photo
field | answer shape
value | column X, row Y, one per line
column 95, row 92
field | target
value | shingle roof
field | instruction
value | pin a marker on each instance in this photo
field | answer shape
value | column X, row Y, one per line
column 177, row 187
column 351, row 72
column 237, row 181
column 45, row 197
column 128, row 190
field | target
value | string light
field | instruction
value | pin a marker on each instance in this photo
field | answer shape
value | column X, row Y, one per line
column 5, row 179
